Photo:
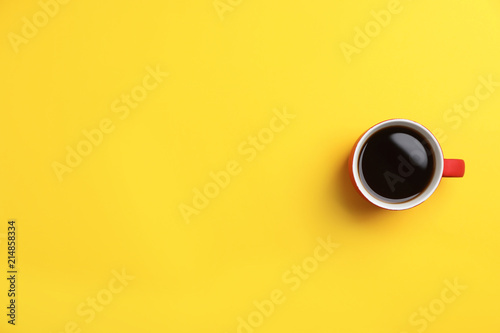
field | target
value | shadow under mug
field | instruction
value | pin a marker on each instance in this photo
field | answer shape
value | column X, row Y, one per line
column 442, row 167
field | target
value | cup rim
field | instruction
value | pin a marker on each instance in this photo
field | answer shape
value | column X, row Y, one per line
column 436, row 177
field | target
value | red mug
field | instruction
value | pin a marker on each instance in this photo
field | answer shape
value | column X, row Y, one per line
column 442, row 167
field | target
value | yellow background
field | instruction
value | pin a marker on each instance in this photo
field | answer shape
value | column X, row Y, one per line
column 119, row 209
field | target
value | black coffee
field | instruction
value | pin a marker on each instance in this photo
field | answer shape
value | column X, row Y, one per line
column 396, row 163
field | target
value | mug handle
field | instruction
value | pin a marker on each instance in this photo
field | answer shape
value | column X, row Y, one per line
column 453, row 168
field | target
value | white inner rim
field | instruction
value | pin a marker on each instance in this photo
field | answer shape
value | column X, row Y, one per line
column 436, row 178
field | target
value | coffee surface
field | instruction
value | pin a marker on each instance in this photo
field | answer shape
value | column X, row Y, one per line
column 396, row 164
